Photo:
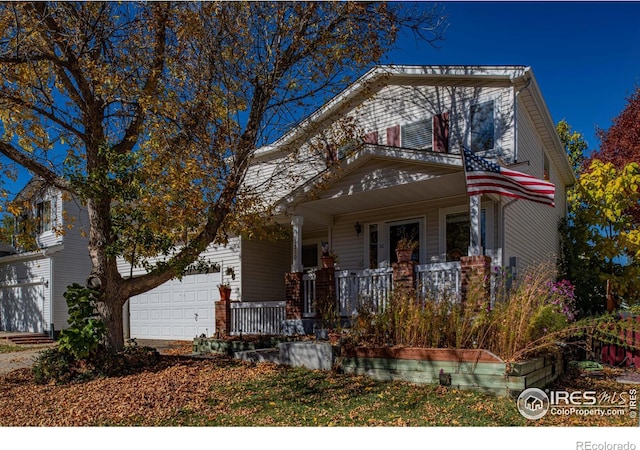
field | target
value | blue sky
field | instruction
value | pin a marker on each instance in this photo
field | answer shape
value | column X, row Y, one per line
column 585, row 55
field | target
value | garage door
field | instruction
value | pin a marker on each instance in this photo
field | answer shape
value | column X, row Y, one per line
column 177, row 310
column 22, row 307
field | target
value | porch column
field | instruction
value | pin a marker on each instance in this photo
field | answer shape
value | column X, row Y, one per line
column 294, row 295
column 475, row 236
column 296, row 263
column 404, row 276
column 223, row 317
column 476, row 278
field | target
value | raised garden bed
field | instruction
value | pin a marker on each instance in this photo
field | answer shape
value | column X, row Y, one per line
column 229, row 346
column 459, row 368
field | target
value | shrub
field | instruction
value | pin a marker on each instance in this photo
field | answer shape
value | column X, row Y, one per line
column 80, row 354
column 54, row 364
column 85, row 333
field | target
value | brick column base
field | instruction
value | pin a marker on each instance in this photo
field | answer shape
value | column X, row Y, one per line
column 223, row 317
column 293, row 295
column 404, row 276
column 326, row 284
column 476, row 278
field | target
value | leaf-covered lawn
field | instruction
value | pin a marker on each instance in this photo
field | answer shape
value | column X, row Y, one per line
column 225, row 392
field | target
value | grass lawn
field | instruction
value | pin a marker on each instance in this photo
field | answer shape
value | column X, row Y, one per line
column 224, row 392
column 6, row 346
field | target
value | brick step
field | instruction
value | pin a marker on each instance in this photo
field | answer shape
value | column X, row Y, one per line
column 30, row 339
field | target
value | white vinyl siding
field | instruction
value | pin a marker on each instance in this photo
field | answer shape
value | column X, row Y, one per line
column 72, row 264
column 531, row 229
column 352, row 248
column 263, row 267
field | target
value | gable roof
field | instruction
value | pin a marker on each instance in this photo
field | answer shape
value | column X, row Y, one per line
column 521, row 78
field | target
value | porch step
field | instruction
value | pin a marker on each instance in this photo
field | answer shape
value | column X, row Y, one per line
column 30, row 339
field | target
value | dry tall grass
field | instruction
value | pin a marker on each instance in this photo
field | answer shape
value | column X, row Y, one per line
column 522, row 320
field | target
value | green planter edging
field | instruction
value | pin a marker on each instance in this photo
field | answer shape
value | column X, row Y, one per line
column 202, row 346
column 469, row 369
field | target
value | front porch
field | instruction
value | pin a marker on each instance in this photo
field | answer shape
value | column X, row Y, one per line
column 371, row 288
column 352, row 290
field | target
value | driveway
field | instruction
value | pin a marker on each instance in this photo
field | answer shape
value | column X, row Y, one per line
column 19, row 360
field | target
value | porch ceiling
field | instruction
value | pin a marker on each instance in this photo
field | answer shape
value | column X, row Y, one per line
column 350, row 199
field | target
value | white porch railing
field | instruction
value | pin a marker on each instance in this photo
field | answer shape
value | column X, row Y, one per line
column 439, row 280
column 308, row 294
column 371, row 287
column 257, row 318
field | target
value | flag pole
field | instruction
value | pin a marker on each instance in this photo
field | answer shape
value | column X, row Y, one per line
column 475, row 229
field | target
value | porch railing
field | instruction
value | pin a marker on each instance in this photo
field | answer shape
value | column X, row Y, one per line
column 257, row 318
column 439, row 281
column 308, row 294
column 369, row 287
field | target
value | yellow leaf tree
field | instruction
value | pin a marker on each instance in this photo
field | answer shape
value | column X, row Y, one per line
column 151, row 112
column 606, row 198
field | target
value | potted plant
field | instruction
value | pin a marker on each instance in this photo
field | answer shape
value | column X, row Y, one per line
column 329, row 258
column 225, row 292
column 405, row 248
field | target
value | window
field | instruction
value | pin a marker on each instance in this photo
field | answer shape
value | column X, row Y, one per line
column 428, row 134
column 43, row 216
column 457, row 230
column 310, row 255
column 482, row 126
column 417, row 135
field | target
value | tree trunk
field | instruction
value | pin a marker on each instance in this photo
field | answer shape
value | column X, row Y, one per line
column 110, row 310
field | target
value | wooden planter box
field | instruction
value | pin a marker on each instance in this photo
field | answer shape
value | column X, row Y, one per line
column 463, row 369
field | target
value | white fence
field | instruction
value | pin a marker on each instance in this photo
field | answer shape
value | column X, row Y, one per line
column 439, row 281
column 257, row 318
column 369, row 287
column 309, row 294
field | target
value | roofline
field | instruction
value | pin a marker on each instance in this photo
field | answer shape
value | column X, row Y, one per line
column 372, row 79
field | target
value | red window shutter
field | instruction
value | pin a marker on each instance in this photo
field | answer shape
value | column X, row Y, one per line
column 393, row 136
column 441, row 132
column 371, row 138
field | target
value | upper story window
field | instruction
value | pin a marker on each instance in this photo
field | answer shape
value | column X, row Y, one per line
column 417, row 135
column 427, row 134
column 43, row 216
column 482, row 126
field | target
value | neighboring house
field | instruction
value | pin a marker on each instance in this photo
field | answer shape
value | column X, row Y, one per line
column 32, row 282
column 379, row 162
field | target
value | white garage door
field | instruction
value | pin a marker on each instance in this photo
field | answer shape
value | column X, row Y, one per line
column 22, row 307
column 176, row 310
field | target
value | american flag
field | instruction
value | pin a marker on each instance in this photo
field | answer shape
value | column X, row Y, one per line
column 485, row 177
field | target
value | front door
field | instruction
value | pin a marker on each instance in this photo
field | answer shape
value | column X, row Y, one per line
column 382, row 240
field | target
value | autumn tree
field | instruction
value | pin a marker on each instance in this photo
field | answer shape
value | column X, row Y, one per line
column 578, row 261
column 620, row 143
column 150, row 113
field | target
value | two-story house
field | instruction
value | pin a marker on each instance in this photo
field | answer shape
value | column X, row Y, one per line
column 34, row 278
column 382, row 161
column 379, row 162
